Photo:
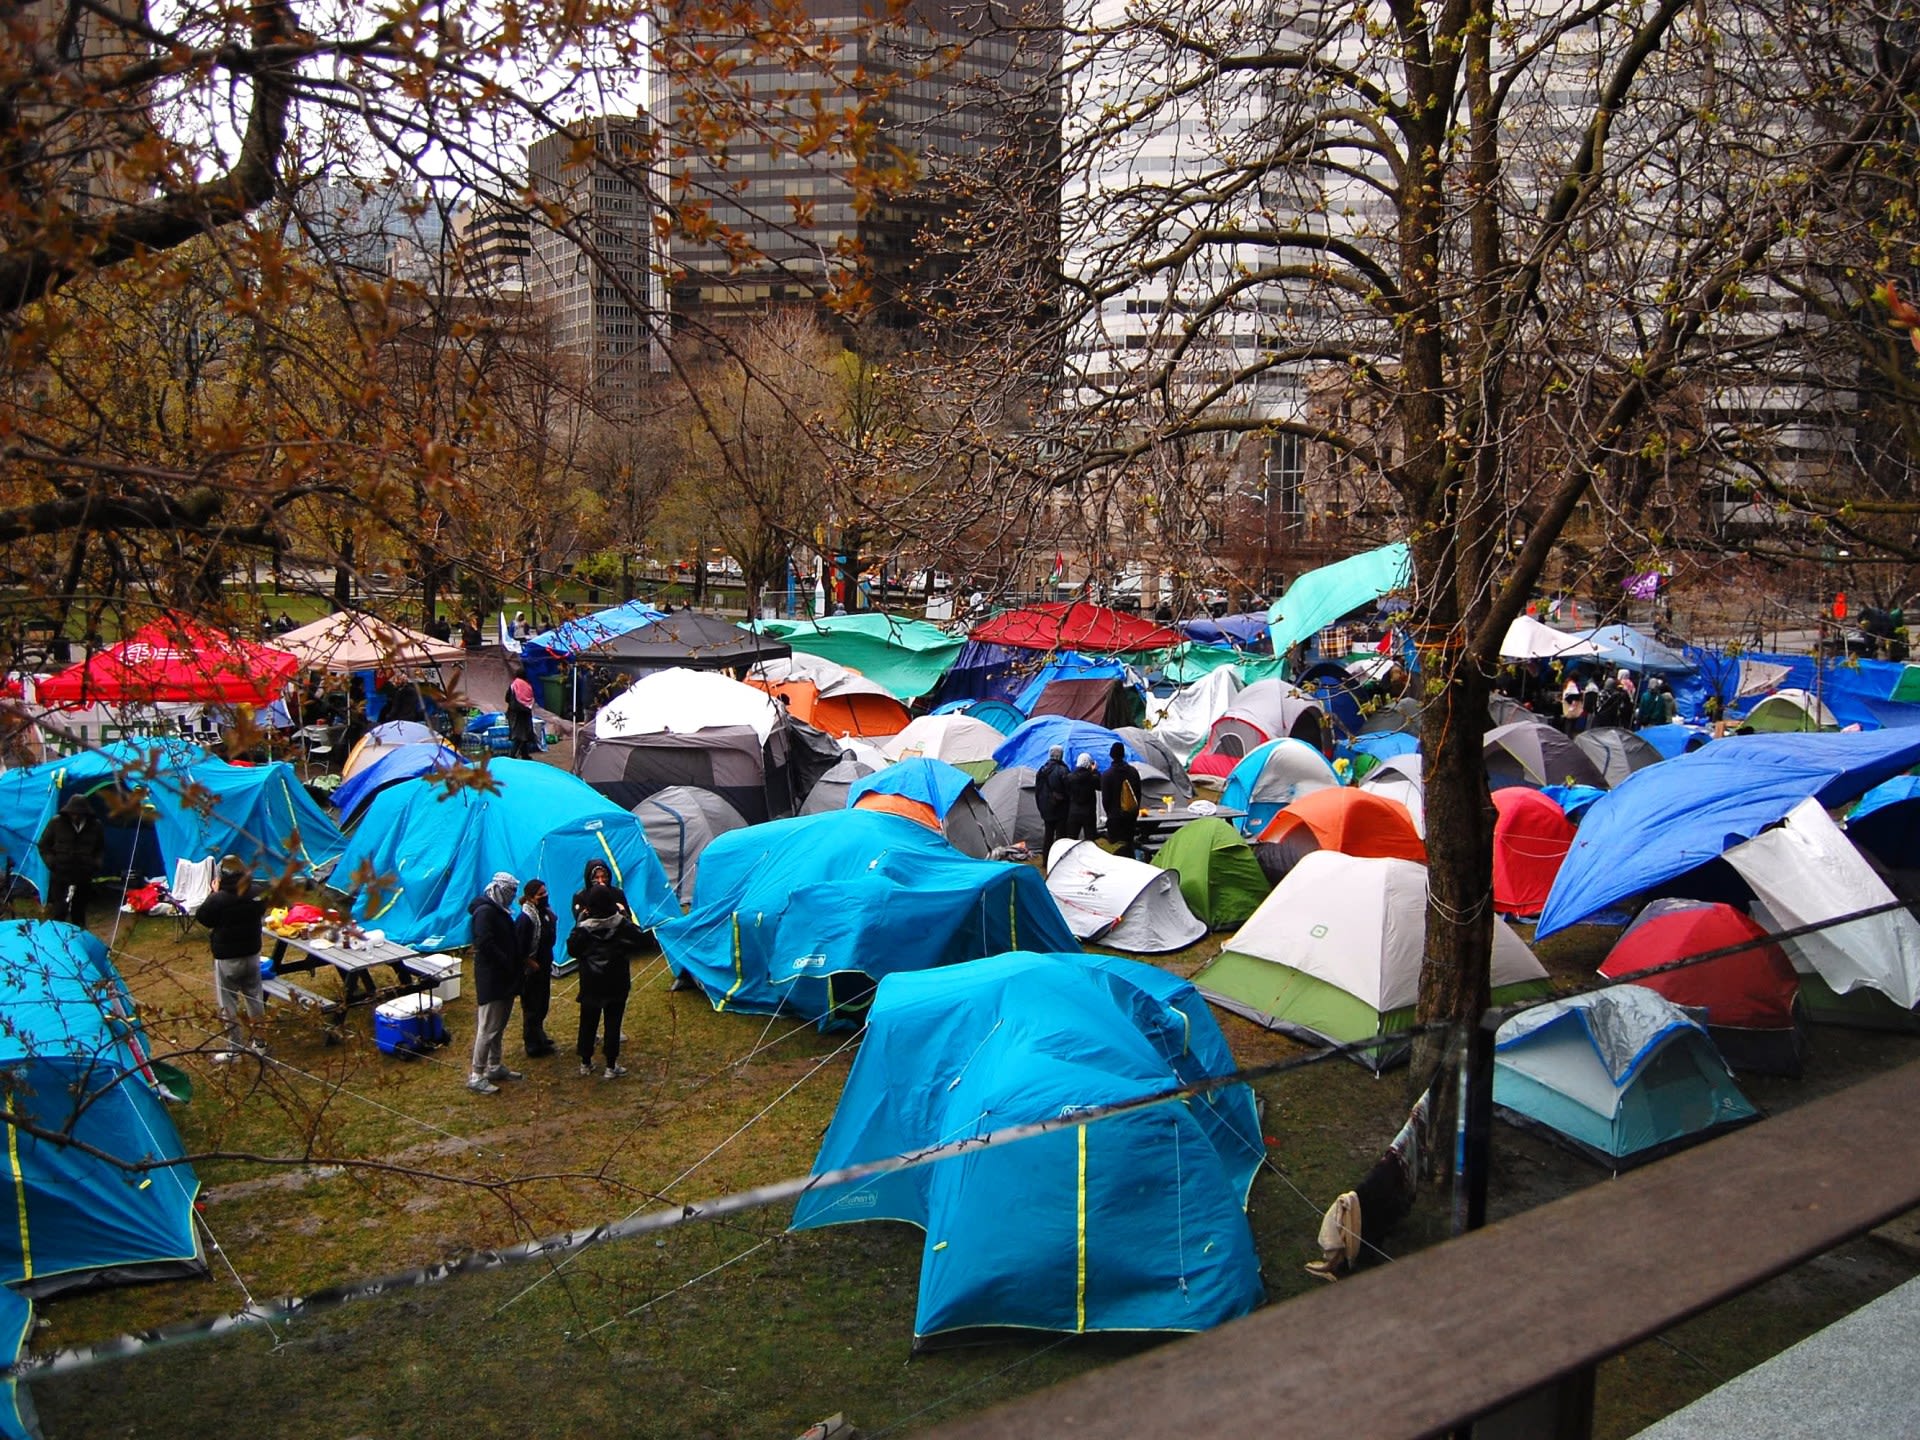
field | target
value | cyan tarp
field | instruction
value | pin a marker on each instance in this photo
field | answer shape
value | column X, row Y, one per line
column 540, row 652
column 804, row 915
column 907, row 656
column 934, row 783
column 1320, row 597
column 421, row 854
column 1133, row 1223
column 1667, row 819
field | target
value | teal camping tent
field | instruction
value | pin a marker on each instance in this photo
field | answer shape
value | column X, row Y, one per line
column 429, row 853
column 806, row 915
column 73, row 1060
column 1620, row 1075
column 1137, row 1222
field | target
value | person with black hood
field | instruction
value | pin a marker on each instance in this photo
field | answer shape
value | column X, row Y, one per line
column 604, row 940
column 72, row 847
column 233, row 914
column 534, row 932
column 1120, row 793
column 1050, row 798
column 1083, row 795
column 497, row 967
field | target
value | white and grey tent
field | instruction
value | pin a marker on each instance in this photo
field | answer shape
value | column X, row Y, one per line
column 1009, row 794
column 680, row 822
column 1183, row 720
column 1804, row 871
column 694, row 728
column 829, row 792
column 1162, row 771
column 1620, row 1075
column 1120, row 903
column 1333, row 955
column 1617, row 751
column 1400, row 778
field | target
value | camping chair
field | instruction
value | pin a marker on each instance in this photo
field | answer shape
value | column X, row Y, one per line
column 315, row 740
column 192, row 884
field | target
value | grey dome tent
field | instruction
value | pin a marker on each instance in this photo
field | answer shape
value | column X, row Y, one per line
column 1617, row 751
column 829, row 792
column 1009, row 794
column 1531, row 752
column 680, row 822
column 1164, row 773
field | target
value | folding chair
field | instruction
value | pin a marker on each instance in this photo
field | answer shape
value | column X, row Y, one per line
column 192, row 884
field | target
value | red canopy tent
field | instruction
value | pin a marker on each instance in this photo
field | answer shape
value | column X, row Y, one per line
column 1075, row 625
column 174, row 660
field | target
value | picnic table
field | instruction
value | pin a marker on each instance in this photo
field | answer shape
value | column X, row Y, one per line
column 413, row 973
column 1155, row 825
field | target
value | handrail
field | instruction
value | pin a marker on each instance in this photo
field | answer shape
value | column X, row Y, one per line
column 1456, row 1332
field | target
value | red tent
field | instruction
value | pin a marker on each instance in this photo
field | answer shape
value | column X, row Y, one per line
column 1075, row 625
column 1751, row 996
column 1530, row 843
column 177, row 661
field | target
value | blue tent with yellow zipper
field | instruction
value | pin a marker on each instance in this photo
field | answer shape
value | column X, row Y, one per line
column 805, row 916
column 73, row 1064
column 1136, row 1222
column 421, row 853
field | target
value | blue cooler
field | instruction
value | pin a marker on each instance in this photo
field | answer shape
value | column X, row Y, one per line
column 409, row 1025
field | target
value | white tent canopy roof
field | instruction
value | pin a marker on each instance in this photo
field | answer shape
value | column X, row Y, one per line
column 350, row 640
column 1528, row 639
column 1805, row 871
column 685, row 702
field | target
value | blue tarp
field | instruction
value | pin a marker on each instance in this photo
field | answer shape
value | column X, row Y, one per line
column 1667, row 819
column 1672, row 740
column 1855, row 691
column 1029, row 744
column 1133, row 1223
column 1574, row 800
column 984, row 672
column 1320, row 597
column 1887, row 820
column 1624, row 645
column 540, row 652
column 804, row 915
column 75, row 1058
column 434, row 852
column 934, row 783
column 199, row 807
column 1243, row 632
column 17, row 1420
column 396, row 765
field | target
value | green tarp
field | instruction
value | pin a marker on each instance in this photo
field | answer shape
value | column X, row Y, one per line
column 905, row 655
column 1320, row 597
column 1194, row 662
column 1220, row 877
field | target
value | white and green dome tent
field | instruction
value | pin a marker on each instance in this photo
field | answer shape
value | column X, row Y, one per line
column 1332, row 956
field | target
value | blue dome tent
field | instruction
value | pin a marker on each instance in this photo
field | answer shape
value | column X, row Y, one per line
column 1137, row 1222
column 1029, row 744
column 391, row 768
column 73, row 1058
column 804, row 916
column 433, row 852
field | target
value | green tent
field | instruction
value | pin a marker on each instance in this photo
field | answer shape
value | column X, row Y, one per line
column 1320, row 597
column 1220, row 878
column 907, row 656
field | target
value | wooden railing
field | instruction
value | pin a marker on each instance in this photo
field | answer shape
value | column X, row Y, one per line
column 1500, row 1329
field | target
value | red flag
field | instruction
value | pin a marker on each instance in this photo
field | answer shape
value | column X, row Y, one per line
column 1385, row 647
column 1840, row 606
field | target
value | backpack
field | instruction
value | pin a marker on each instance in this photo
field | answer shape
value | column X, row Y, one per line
column 1129, row 802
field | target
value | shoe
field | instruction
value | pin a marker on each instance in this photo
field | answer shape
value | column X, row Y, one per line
column 225, row 1057
column 259, row 1047
column 683, row 982
column 480, row 1085
column 541, row 1052
column 586, row 1069
column 501, row 1072
column 613, row 1072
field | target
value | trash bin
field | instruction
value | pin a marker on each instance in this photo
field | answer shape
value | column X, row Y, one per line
column 553, row 690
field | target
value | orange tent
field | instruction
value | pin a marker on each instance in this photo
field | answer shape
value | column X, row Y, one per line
column 915, row 810
column 840, row 710
column 1353, row 822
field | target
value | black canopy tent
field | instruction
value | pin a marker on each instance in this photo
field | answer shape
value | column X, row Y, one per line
column 687, row 639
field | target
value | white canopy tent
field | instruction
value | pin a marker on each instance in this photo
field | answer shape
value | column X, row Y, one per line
column 1528, row 639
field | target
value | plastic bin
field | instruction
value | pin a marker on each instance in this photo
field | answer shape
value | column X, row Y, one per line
column 447, row 970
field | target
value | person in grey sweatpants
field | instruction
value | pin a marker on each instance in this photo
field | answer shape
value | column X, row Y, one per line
column 497, row 966
column 233, row 913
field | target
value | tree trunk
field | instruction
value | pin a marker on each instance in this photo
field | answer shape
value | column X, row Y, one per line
column 343, row 575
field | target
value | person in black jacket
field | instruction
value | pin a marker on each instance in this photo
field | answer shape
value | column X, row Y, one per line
column 497, row 967
column 534, row 932
column 1083, row 794
column 72, row 847
column 233, row 915
column 1120, row 794
column 1050, row 798
column 604, row 940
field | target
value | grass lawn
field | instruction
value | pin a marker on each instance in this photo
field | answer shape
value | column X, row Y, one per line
column 734, row 1329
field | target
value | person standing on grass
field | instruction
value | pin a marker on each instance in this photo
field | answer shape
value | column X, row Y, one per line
column 604, row 941
column 520, row 738
column 72, row 846
column 233, row 915
column 1083, row 795
column 1050, row 798
column 497, row 968
column 534, row 931
column 1120, row 793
